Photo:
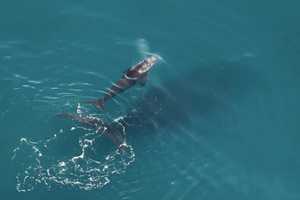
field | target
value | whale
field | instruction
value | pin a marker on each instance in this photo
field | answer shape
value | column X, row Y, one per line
column 136, row 74
column 113, row 130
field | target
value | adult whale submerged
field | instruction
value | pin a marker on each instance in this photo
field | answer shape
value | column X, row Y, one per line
column 136, row 74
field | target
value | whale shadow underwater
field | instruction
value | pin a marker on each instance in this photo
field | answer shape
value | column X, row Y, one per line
column 196, row 93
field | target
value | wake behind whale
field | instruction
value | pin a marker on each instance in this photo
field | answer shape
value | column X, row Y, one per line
column 85, row 169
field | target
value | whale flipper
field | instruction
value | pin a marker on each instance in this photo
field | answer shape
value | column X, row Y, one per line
column 142, row 81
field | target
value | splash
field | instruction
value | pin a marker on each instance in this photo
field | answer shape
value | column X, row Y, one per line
column 40, row 168
column 143, row 48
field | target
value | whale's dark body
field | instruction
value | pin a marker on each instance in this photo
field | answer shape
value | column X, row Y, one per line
column 136, row 74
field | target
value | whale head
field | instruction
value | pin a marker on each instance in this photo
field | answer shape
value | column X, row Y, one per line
column 148, row 63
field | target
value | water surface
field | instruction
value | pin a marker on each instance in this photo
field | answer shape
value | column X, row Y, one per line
column 217, row 120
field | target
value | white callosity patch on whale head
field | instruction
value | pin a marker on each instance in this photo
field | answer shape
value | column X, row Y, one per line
column 147, row 64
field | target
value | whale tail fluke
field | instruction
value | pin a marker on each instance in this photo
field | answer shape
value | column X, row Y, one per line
column 99, row 103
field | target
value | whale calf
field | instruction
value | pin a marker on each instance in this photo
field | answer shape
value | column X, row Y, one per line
column 136, row 74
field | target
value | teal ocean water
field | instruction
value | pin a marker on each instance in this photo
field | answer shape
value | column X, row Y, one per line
column 217, row 119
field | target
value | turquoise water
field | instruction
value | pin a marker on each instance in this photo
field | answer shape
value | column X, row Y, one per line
column 218, row 118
